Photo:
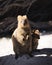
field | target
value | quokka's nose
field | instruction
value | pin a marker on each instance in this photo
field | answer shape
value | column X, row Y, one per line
column 24, row 22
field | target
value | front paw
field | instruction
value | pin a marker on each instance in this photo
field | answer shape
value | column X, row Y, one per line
column 27, row 37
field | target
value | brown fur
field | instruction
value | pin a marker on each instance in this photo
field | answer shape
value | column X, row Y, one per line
column 21, row 37
column 35, row 38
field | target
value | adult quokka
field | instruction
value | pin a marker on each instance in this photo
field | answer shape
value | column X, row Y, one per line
column 21, row 37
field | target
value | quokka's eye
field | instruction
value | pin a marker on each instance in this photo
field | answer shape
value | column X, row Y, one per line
column 26, row 21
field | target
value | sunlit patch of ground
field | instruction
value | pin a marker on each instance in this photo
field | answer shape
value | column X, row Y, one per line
column 45, row 41
column 6, row 47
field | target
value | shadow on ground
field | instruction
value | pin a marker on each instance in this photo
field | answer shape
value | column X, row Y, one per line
column 38, row 59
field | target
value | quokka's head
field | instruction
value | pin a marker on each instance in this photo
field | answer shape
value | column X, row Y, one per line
column 36, row 33
column 22, row 21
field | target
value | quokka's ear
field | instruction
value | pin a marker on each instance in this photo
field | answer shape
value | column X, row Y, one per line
column 25, row 16
column 19, row 17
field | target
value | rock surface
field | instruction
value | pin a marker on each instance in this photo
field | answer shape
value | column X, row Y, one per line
column 38, row 11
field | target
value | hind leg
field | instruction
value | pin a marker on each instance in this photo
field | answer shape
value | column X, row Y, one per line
column 16, row 56
column 30, row 54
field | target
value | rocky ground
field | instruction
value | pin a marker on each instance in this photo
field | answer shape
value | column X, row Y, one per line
column 44, row 56
column 39, row 12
